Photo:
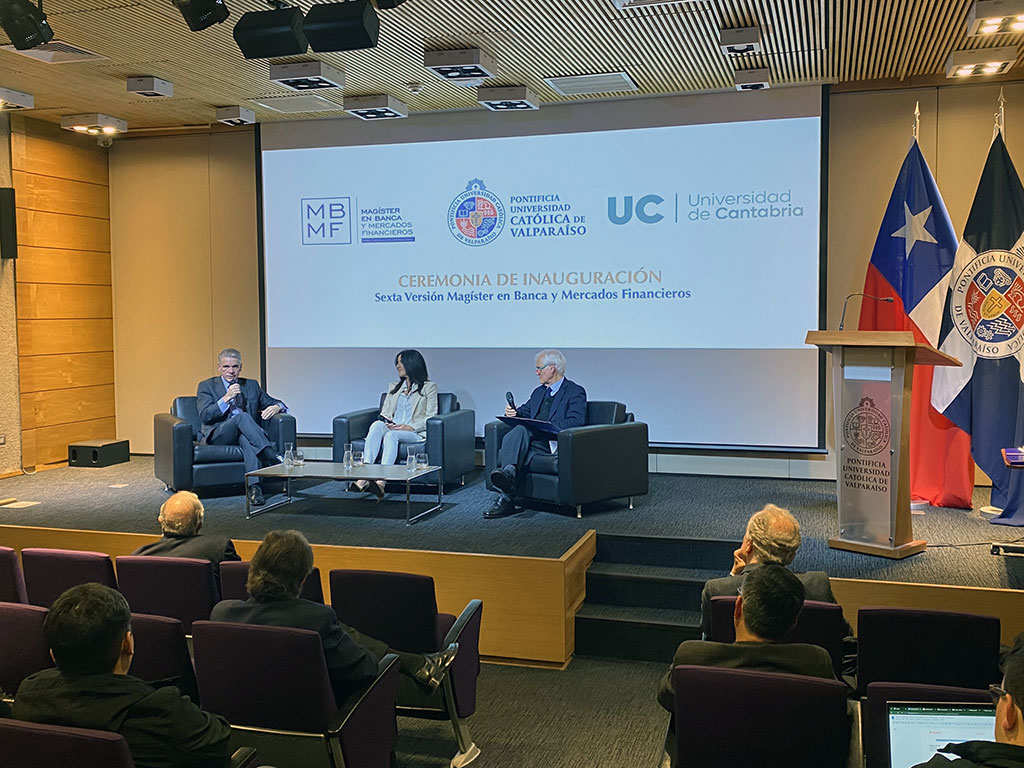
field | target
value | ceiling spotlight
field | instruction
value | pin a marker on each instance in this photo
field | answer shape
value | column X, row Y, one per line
column 25, row 23
column 200, row 14
column 11, row 100
column 740, row 41
column 307, row 76
column 517, row 97
column 378, row 107
column 153, row 87
column 235, row 115
column 349, row 26
column 753, row 79
column 271, row 34
column 980, row 62
column 995, row 17
column 466, row 66
column 93, row 124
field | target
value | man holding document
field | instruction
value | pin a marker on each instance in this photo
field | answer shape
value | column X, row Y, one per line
column 556, row 404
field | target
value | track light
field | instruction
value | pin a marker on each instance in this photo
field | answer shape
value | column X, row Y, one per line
column 25, row 23
column 200, row 14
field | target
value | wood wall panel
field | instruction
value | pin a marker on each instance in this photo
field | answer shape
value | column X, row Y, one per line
column 63, row 406
column 83, row 369
column 54, row 337
column 49, row 193
column 28, row 448
column 48, row 301
column 54, row 265
column 62, row 230
column 48, row 156
column 52, row 442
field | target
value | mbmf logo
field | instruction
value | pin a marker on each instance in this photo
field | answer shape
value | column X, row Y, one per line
column 326, row 220
column 643, row 209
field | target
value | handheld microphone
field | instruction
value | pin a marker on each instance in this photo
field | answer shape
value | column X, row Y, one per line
column 511, row 400
column 842, row 319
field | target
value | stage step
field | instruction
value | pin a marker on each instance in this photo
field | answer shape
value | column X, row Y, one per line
column 643, row 594
column 644, row 634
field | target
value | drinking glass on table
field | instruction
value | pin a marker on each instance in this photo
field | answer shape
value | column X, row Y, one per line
column 299, row 459
column 346, row 460
column 410, row 462
column 421, row 461
column 289, row 454
column 357, row 458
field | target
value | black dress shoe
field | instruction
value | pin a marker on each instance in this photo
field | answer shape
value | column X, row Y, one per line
column 432, row 672
column 503, row 507
column 504, row 479
column 255, row 495
column 376, row 489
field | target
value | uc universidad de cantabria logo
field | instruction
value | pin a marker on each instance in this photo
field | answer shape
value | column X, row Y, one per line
column 476, row 216
column 987, row 305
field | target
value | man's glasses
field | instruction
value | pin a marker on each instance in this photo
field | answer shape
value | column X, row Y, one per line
column 540, row 368
column 996, row 693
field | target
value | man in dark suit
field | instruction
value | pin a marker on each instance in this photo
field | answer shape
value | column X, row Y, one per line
column 766, row 610
column 233, row 411
column 276, row 573
column 557, row 400
column 772, row 536
column 180, row 518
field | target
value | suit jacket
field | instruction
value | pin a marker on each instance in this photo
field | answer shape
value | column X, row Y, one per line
column 424, row 405
column 203, row 546
column 349, row 664
column 816, row 587
column 211, row 390
column 793, row 658
column 568, row 409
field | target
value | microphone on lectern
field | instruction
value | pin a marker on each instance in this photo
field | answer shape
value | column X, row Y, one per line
column 842, row 319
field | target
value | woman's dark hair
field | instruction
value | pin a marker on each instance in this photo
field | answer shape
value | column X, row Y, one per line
column 281, row 563
column 85, row 628
column 415, row 370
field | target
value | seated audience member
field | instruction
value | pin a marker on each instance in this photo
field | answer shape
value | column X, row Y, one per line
column 276, row 573
column 180, row 518
column 772, row 536
column 1007, row 751
column 765, row 611
column 410, row 401
column 88, row 630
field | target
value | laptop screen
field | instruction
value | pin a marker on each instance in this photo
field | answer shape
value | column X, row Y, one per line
column 917, row 730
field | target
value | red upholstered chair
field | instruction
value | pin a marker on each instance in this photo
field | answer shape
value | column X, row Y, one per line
column 32, row 745
column 401, row 610
column 12, row 580
column 161, row 653
column 51, row 572
column 233, row 576
column 287, row 710
column 23, row 649
column 182, row 588
column 788, row 721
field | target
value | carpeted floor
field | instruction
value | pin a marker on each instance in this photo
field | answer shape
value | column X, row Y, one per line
column 677, row 505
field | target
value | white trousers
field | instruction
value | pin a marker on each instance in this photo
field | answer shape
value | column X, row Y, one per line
column 390, row 438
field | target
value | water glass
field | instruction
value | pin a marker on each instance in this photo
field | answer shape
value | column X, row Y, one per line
column 298, row 458
column 346, row 460
column 289, row 454
column 410, row 462
column 421, row 461
column 357, row 458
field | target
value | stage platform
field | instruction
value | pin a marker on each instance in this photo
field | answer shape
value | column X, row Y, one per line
column 530, row 569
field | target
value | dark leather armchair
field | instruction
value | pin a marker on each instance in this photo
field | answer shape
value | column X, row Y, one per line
column 604, row 459
column 451, row 437
column 184, row 464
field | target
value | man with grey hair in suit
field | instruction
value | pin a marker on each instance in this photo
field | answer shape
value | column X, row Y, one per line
column 772, row 536
column 233, row 411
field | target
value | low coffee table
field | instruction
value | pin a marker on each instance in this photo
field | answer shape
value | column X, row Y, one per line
column 328, row 470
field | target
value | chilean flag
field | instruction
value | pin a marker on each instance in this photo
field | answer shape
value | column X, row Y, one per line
column 983, row 327
column 911, row 262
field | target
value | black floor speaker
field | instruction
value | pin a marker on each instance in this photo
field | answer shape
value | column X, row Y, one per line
column 97, row 453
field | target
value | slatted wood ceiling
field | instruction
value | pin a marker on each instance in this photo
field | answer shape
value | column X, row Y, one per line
column 665, row 49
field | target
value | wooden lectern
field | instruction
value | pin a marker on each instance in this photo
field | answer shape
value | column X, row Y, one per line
column 872, row 375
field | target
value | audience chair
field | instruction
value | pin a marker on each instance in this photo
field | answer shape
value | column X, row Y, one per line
column 12, row 580
column 50, row 572
column 161, row 654
column 602, row 460
column 33, row 745
column 286, row 709
column 23, row 649
column 182, row 588
column 401, row 610
column 818, row 624
column 450, row 444
column 788, row 721
column 233, row 575
column 185, row 464
column 874, row 713
column 909, row 645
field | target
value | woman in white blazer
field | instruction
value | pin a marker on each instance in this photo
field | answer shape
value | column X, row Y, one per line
column 410, row 401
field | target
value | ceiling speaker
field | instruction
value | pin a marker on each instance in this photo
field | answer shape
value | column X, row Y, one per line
column 269, row 34
column 346, row 26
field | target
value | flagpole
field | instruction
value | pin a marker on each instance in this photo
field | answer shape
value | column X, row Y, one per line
column 917, row 121
column 1000, row 126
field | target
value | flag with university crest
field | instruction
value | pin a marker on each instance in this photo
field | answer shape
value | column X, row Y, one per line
column 983, row 327
column 911, row 264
